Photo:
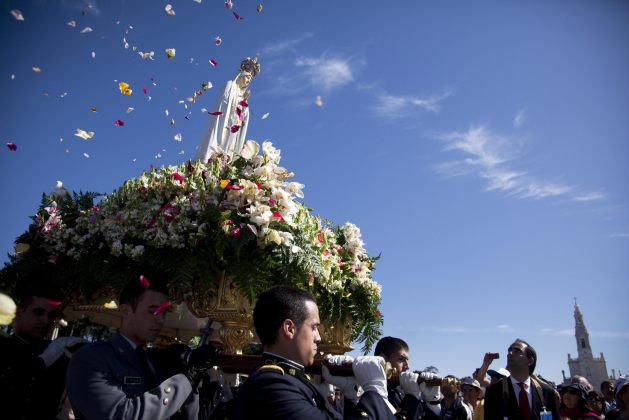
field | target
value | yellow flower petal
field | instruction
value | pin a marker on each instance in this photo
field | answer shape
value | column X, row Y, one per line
column 224, row 183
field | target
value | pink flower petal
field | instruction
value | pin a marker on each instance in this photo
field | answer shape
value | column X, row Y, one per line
column 278, row 216
column 145, row 90
column 215, row 113
column 234, row 128
column 119, row 123
column 229, row 4
column 177, row 176
column 55, row 304
column 243, row 104
column 11, row 146
column 240, row 114
column 144, row 281
column 162, row 308
column 218, row 41
column 213, row 62
column 236, row 233
column 237, row 16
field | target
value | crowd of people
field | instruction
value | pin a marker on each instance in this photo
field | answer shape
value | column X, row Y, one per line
column 125, row 378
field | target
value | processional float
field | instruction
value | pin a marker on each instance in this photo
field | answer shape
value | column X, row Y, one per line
column 223, row 227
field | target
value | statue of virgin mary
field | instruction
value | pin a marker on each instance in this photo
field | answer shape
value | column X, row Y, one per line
column 227, row 129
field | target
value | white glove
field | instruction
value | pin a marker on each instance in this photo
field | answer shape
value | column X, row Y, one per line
column 408, row 382
column 430, row 393
column 370, row 375
column 347, row 384
column 57, row 348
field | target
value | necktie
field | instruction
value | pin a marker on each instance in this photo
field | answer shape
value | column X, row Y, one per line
column 148, row 376
column 524, row 402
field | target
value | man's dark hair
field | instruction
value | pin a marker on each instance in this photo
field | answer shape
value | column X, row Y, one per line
column 389, row 345
column 530, row 352
column 274, row 306
column 605, row 384
column 134, row 289
column 38, row 282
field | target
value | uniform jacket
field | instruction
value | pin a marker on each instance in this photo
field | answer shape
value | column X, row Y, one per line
column 31, row 390
column 106, row 380
column 408, row 407
column 280, row 390
column 497, row 407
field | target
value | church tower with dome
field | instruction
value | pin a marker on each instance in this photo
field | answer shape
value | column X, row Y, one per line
column 585, row 364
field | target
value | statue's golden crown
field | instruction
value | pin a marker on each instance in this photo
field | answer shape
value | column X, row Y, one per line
column 251, row 65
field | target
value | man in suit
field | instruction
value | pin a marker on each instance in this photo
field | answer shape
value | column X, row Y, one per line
column 33, row 368
column 286, row 321
column 521, row 396
column 116, row 379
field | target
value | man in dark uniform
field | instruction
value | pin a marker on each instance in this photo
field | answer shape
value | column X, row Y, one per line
column 118, row 379
column 286, row 321
column 33, row 369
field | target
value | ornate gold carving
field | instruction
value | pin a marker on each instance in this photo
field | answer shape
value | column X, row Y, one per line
column 336, row 336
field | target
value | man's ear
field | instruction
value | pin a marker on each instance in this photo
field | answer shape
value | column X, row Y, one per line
column 125, row 310
column 289, row 329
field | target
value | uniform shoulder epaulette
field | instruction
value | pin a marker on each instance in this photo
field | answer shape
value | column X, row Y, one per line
column 271, row 368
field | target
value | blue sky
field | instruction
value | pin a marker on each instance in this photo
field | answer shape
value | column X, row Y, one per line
column 481, row 146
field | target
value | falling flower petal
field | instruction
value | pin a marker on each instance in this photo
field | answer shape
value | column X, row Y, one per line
column 144, row 282
column 13, row 77
column 170, row 53
column 265, row 116
column 169, row 9
column 178, row 137
column 259, row 7
column 318, row 101
column 234, row 128
column 166, row 112
column 37, row 70
column 229, row 4
column 162, row 308
column 124, row 88
column 72, row 24
column 181, row 152
column 130, row 110
column 237, row 16
column 146, row 55
column 171, row 122
column 119, row 123
column 63, row 95
column 54, row 303
column 213, row 62
column 11, row 146
column 145, row 90
column 215, row 113
column 86, row 30
column 93, row 109
column 218, row 41
column 93, row 54
column 110, row 305
column 86, row 155
column 17, row 14
column 85, row 135
column 197, row 1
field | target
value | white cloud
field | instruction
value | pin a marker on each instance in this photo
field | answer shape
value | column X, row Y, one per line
column 550, row 331
column 285, row 45
column 503, row 326
column 610, row 334
column 597, row 195
column 618, row 235
column 518, row 120
column 393, row 107
column 493, row 158
column 326, row 73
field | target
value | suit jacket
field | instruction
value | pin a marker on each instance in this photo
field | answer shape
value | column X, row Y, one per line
column 280, row 390
column 31, row 390
column 107, row 380
column 496, row 408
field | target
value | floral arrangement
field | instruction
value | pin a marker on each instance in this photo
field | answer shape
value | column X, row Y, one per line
column 196, row 221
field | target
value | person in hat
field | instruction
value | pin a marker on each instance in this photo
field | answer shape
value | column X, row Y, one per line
column 119, row 379
column 521, row 396
column 473, row 397
column 622, row 400
column 498, row 374
column 32, row 367
column 574, row 403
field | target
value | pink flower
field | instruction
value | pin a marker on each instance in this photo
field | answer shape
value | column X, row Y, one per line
column 235, row 187
column 236, row 233
column 177, row 176
column 119, row 123
column 55, row 304
column 278, row 216
column 272, row 202
column 144, row 282
column 229, row 4
column 326, row 253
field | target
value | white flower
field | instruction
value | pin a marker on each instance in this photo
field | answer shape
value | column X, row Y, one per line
column 260, row 215
column 270, row 153
column 7, row 309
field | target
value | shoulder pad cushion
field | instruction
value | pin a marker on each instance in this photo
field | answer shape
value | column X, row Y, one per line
column 271, row 368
